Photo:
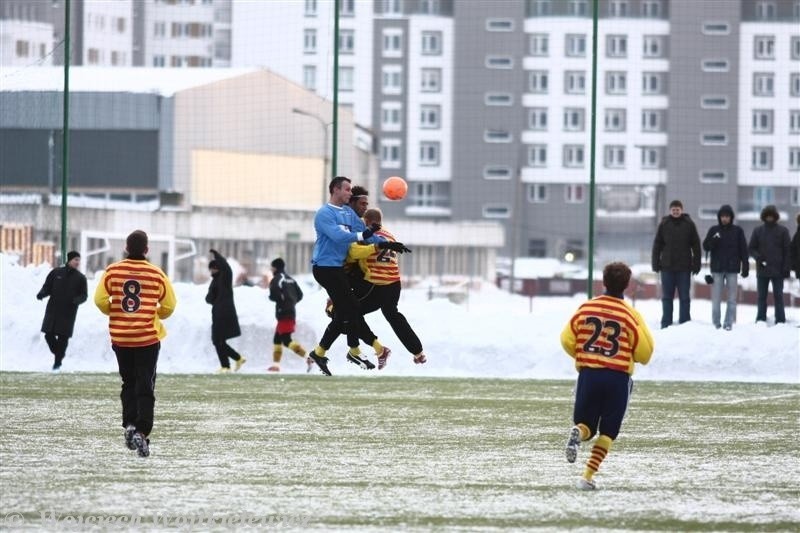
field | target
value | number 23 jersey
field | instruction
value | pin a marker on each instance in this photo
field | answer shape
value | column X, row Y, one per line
column 135, row 295
column 606, row 332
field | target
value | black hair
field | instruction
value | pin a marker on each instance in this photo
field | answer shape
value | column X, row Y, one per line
column 616, row 277
column 136, row 244
column 337, row 183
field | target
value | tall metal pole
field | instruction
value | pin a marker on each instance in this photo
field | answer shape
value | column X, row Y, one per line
column 335, row 120
column 590, row 280
column 65, row 134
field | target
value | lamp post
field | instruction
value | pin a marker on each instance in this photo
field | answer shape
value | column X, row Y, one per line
column 324, row 126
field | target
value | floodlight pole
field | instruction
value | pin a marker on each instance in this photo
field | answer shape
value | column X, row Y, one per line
column 593, row 127
column 335, row 118
column 65, row 134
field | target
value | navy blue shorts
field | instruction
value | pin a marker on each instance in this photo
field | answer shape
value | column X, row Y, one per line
column 601, row 399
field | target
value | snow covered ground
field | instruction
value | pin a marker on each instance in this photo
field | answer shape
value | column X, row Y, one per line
column 491, row 334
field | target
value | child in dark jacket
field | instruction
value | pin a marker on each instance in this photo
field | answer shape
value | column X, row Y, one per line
column 727, row 246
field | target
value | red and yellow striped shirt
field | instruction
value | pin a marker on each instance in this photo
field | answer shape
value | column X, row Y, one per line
column 380, row 267
column 606, row 332
column 135, row 295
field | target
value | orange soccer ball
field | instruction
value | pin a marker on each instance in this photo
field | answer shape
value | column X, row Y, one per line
column 395, row 188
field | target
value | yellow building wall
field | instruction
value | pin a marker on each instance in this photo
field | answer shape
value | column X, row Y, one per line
column 233, row 179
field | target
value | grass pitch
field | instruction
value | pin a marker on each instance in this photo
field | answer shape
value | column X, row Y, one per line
column 372, row 453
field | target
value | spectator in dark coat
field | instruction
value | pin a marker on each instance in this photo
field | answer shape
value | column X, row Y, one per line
column 66, row 287
column 796, row 249
column 769, row 246
column 224, row 321
column 676, row 255
column 727, row 246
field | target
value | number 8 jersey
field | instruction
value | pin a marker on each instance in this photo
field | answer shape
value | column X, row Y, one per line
column 606, row 332
column 135, row 295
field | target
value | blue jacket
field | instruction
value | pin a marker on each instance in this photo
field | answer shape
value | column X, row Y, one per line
column 337, row 228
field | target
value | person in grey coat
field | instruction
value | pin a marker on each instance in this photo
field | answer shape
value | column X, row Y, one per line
column 769, row 246
column 676, row 255
column 66, row 287
column 727, row 247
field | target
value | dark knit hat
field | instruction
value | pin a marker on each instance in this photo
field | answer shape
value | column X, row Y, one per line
column 278, row 264
column 72, row 255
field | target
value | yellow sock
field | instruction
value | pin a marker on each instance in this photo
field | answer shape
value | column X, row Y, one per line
column 585, row 431
column 277, row 353
column 319, row 350
column 355, row 351
column 599, row 451
column 377, row 346
column 296, row 348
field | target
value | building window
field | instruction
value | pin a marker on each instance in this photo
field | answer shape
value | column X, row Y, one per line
column 616, row 83
column 431, row 80
column 537, row 118
column 22, row 48
column 575, row 45
column 762, row 121
column 539, row 44
column 615, row 120
column 429, row 153
column 159, row 29
column 537, row 155
column 651, row 9
column 537, row 247
column 347, row 41
column 764, row 47
column 310, row 8
column 574, row 193
column 794, row 121
column 618, row 8
column 115, row 58
column 651, row 157
column 93, row 56
column 542, row 8
column 716, row 28
column 430, row 116
column 794, row 84
column 654, row 46
column 714, row 138
column 501, row 62
column 574, row 119
column 497, row 136
column 159, row 61
column 794, row 158
column 538, row 81
column 390, row 153
column 761, row 158
column 653, row 83
column 392, row 42
column 716, row 65
column 499, row 24
column 497, row 172
column 578, row 8
column 432, row 43
column 346, row 79
column 496, row 211
column 347, row 8
column 762, row 197
column 310, row 77
column 575, row 82
column 616, row 46
column 763, row 84
column 392, row 7
column 309, row 41
column 652, row 120
column 175, row 61
column 494, row 99
column 537, row 193
column 429, row 7
column 391, row 116
column 795, row 196
column 614, row 157
column 713, row 176
column 765, row 10
column 392, row 79
column 714, row 101
column 795, row 47
column 573, row 156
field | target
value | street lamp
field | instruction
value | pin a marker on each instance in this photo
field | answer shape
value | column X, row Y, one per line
column 324, row 126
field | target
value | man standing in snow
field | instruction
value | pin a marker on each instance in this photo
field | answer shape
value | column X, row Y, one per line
column 66, row 287
column 605, row 336
column 727, row 246
column 676, row 255
column 769, row 246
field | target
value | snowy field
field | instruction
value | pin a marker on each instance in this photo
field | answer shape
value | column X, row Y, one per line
column 491, row 334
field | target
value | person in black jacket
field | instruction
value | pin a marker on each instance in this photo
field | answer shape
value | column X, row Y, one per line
column 66, row 287
column 727, row 246
column 224, row 321
column 769, row 246
column 286, row 293
column 676, row 255
column 796, row 249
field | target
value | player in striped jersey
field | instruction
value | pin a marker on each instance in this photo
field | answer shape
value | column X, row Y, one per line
column 380, row 287
column 136, row 295
column 605, row 336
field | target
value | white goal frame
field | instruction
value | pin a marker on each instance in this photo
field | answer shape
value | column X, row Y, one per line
column 106, row 237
